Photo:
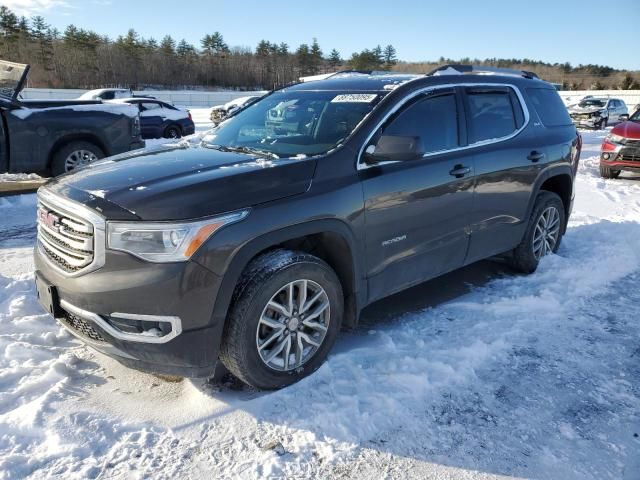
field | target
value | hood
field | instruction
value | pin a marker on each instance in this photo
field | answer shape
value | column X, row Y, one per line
column 181, row 182
column 627, row 130
column 589, row 109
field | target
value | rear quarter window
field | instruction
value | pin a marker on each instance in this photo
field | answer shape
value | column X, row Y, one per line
column 549, row 106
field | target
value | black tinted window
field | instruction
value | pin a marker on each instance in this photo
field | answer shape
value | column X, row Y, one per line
column 549, row 106
column 108, row 95
column 490, row 114
column 433, row 121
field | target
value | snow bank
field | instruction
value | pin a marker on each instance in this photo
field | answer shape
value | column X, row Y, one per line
column 531, row 376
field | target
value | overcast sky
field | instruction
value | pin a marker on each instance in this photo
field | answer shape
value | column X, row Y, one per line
column 573, row 31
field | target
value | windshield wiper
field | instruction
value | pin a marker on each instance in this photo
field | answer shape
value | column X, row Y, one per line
column 247, row 150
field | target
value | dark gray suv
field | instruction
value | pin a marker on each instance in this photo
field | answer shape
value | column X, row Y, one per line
column 257, row 246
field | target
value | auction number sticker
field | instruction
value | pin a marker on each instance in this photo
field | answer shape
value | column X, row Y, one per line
column 355, row 98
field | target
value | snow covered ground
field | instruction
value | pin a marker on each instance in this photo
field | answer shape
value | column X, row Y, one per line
column 478, row 374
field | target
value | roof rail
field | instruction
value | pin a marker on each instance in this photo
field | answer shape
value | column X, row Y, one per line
column 456, row 69
column 367, row 72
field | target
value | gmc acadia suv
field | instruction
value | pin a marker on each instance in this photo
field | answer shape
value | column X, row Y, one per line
column 257, row 246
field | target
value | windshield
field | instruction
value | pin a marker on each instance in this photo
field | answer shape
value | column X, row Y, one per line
column 592, row 102
column 635, row 117
column 288, row 124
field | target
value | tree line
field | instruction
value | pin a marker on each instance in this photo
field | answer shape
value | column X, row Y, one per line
column 79, row 58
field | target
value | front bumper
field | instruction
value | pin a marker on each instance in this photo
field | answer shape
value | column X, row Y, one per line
column 590, row 122
column 91, row 305
column 624, row 157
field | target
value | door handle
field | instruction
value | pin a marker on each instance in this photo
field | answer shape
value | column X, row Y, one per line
column 535, row 156
column 459, row 171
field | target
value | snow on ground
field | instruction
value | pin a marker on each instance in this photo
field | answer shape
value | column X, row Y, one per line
column 478, row 374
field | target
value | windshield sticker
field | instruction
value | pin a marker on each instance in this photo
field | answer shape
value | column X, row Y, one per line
column 355, row 98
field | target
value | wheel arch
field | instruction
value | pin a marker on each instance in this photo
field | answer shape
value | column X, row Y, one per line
column 75, row 137
column 330, row 239
column 559, row 180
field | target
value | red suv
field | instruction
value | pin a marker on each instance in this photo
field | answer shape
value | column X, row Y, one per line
column 621, row 148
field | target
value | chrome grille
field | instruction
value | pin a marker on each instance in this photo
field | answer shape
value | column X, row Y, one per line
column 629, row 155
column 81, row 327
column 66, row 236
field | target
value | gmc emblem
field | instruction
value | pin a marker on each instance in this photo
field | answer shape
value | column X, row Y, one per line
column 48, row 219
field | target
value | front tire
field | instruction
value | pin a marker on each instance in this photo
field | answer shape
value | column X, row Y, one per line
column 607, row 172
column 74, row 155
column 603, row 124
column 543, row 235
column 285, row 316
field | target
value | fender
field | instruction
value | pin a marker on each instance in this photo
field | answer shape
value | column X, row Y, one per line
column 549, row 172
column 247, row 251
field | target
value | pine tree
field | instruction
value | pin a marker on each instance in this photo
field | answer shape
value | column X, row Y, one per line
column 168, row 45
column 334, row 59
column 390, row 58
column 303, row 58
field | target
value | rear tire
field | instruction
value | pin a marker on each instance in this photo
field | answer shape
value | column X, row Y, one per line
column 74, row 155
column 173, row 131
column 543, row 234
column 607, row 172
column 257, row 335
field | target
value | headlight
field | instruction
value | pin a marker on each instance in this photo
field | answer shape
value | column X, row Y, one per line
column 164, row 241
column 613, row 138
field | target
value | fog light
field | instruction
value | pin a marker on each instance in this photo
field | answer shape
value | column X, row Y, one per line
column 137, row 324
column 606, row 156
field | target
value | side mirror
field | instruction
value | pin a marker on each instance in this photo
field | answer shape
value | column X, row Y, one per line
column 624, row 117
column 392, row 148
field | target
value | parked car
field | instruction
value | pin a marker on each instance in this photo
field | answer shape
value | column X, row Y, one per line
column 221, row 112
column 621, row 148
column 161, row 120
column 48, row 136
column 106, row 94
column 597, row 112
column 257, row 246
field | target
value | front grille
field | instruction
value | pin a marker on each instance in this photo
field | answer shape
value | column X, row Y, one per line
column 629, row 155
column 580, row 116
column 65, row 239
column 81, row 327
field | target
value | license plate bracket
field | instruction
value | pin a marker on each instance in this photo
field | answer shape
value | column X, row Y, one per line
column 47, row 296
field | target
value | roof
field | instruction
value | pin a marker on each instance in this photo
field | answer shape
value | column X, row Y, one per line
column 378, row 82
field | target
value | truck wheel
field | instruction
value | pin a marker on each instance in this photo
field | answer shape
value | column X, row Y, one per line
column 172, row 131
column 603, row 123
column 74, row 155
column 285, row 316
column 606, row 172
column 543, row 234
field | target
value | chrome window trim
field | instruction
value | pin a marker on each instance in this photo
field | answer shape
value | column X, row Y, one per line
column 360, row 165
column 176, row 324
column 83, row 213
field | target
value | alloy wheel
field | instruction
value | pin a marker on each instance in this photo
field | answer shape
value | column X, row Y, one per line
column 78, row 158
column 293, row 325
column 546, row 233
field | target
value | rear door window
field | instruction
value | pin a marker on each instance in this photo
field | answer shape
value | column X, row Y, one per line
column 491, row 114
column 549, row 106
